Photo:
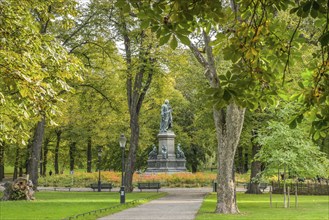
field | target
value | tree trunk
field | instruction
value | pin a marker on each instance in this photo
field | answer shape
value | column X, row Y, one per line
column 228, row 127
column 253, row 187
column 45, row 156
column 131, row 160
column 27, row 158
column 239, row 160
column 15, row 175
column 256, row 166
column 194, row 155
column 72, row 155
column 284, row 187
column 41, row 161
column 228, row 124
column 56, row 166
column 2, row 160
column 20, row 171
column 36, row 149
column 137, row 84
column 246, row 163
column 89, row 155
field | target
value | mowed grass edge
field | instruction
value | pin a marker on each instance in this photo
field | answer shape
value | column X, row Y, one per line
column 257, row 207
column 61, row 205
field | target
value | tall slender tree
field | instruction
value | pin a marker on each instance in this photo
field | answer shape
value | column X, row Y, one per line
column 56, row 153
column 34, row 160
column 2, row 160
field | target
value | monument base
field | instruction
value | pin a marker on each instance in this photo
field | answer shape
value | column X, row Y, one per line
column 166, row 159
column 170, row 165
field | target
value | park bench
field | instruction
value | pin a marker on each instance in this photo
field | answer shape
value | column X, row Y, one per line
column 108, row 186
column 57, row 187
column 151, row 185
column 261, row 186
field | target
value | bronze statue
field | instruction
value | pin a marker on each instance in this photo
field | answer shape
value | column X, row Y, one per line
column 179, row 154
column 164, row 152
column 166, row 117
column 153, row 154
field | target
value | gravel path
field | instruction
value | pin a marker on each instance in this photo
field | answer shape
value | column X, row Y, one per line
column 179, row 204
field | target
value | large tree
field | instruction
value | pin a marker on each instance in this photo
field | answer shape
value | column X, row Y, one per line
column 34, row 69
column 262, row 49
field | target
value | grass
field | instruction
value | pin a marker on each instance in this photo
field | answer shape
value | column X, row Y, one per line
column 60, row 205
column 258, row 207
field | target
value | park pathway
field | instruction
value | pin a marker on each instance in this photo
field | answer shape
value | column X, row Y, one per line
column 179, row 204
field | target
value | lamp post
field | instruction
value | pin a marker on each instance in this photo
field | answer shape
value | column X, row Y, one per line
column 99, row 168
column 122, row 142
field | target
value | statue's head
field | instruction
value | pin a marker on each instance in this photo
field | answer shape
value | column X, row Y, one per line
column 166, row 101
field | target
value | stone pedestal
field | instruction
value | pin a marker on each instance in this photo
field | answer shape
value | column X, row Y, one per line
column 170, row 163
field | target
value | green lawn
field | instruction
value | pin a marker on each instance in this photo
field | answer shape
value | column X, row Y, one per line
column 59, row 205
column 258, row 207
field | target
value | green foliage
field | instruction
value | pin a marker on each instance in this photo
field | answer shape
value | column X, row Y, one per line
column 34, row 68
column 283, row 147
column 264, row 44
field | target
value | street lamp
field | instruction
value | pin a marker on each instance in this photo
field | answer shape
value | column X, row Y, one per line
column 99, row 168
column 122, row 142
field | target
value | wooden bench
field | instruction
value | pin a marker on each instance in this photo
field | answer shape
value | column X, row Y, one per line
column 151, row 185
column 108, row 186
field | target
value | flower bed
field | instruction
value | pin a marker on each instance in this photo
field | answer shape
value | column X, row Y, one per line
column 82, row 179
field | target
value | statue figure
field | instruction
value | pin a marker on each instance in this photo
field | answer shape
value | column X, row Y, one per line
column 166, row 117
column 179, row 154
column 153, row 154
column 164, row 152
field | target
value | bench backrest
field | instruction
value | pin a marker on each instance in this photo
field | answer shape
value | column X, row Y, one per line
column 103, row 185
column 149, row 185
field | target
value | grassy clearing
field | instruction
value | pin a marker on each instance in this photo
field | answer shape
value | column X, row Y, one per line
column 258, row 207
column 59, row 205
